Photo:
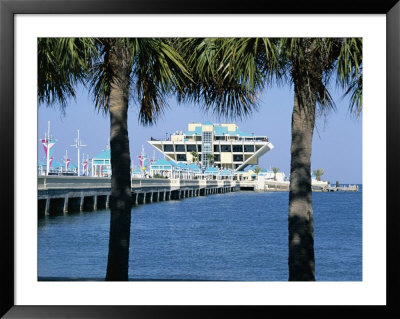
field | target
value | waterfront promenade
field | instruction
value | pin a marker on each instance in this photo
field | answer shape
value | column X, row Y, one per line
column 63, row 194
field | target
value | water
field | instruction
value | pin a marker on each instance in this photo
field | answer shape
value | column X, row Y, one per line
column 239, row 236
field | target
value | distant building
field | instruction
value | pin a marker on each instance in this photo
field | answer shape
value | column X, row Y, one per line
column 137, row 173
column 221, row 145
column 163, row 168
column 270, row 175
column 101, row 164
column 57, row 168
column 249, row 173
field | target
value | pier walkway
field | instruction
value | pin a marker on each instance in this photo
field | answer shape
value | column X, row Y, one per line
column 276, row 186
column 63, row 194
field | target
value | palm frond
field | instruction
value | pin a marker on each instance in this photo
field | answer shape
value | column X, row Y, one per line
column 158, row 71
column 62, row 63
column 349, row 72
column 228, row 73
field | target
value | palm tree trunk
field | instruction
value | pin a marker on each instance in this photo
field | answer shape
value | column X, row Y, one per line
column 301, row 224
column 120, row 200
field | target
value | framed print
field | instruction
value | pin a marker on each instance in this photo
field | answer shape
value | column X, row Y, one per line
column 211, row 259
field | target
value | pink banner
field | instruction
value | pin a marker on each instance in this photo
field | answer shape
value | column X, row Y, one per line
column 84, row 166
column 142, row 161
column 48, row 144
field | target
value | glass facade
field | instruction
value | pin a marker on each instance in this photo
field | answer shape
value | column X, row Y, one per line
column 191, row 147
column 237, row 148
column 206, row 143
column 225, row 148
column 249, row 148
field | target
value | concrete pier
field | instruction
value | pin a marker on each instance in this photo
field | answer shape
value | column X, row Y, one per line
column 67, row 194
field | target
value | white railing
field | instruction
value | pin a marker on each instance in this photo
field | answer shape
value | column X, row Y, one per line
column 62, row 182
column 149, row 182
column 75, row 182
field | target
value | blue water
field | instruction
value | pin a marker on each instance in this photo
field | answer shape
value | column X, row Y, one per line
column 239, row 236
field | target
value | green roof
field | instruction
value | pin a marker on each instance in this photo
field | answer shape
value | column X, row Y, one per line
column 218, row 130
column 163, row 162
column 71, row 166
column 211, row 170
column 197, row 131
column 56, row 164
column 225, row 172
column 194, row 168
column 104, row 155
column 183, row 165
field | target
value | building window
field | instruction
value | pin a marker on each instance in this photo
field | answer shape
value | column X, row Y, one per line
column 249, row 148
column 181, row 157
column 198, row 148
column 191, row 147
column 168, row 148
column 206, row 147
column 216, row 148
column 237, row 148
column 238, row 158
column 179, row 148
column 217, row 158
column 225, row 148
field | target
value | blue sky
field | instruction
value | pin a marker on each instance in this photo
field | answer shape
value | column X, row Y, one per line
column 337, row 142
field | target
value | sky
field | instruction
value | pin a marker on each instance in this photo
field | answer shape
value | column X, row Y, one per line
column 337, row 140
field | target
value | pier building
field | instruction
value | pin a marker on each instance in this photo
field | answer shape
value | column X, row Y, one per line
column 101, row 164
column 223, row 145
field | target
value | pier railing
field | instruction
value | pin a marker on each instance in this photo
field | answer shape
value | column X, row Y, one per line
column 62, row 194
column 149, row 182
column 349, row 188
column 72, row 182
column 82, row 182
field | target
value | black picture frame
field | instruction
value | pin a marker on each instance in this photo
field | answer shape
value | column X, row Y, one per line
column 8, row 10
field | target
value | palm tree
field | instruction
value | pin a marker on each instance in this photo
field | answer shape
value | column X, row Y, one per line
column 306, row 63
column 210, row 159
column 318, row 173
column 113, row 68
column 275, row 170
column 195, row 156
column 257, row 170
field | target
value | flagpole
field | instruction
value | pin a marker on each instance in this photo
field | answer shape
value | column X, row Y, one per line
column 66, row 159
column 79, row 156
column 47, row 146
column 78, row 145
